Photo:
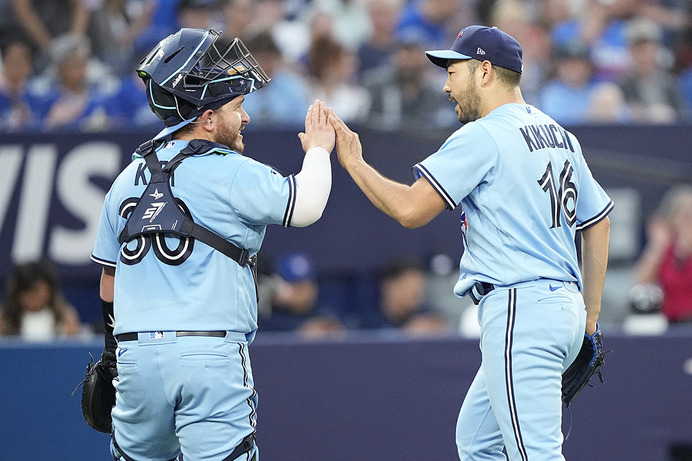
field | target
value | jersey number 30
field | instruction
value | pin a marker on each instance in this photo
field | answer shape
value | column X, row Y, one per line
column 165, row 254
column 560, row 198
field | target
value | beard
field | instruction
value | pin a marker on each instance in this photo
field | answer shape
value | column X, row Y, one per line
column 230, row 138
column 469, row 110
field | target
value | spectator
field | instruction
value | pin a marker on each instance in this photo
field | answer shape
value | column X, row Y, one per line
column 34, row 308
column 667, row 257
column 402, row 288
column 349, row 18
column 608, row 105
column 551, row 13
column 461, row 313
column 405, row 95
column 274, row 17
column 114, row 28
column 17, row 66
column 683, row 55
column 73, row 95
column 649, row 88
column 45, row 20
column 332, row 69
column 238, row 18
column 570, row 96
column 320, row 26
column 159, row 19
column 127, row 107
column 197, row 14
column 284, row 101
column 381, row 43
column 429, row 20
column 514, row 17
column 601, row 26
column 294, row 301
column 671, row 15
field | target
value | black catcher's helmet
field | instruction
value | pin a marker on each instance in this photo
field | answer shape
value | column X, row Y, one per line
column 186, row 74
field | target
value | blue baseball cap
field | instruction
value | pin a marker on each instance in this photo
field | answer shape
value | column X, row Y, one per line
column 482, row 43
column 296, row 267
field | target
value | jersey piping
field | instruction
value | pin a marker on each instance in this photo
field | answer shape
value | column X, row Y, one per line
column 102, row 262
column 291, row 205
column 599, row 217
column 436, row 185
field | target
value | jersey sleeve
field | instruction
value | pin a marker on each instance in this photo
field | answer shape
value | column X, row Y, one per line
column 461, row 163
column 106, row 247
column 261, row 195
column 593, row 203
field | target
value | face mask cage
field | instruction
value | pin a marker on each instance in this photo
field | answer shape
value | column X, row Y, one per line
column 232, row 70
column 184, row 83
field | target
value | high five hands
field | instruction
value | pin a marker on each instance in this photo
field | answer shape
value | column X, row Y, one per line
column 322, row 125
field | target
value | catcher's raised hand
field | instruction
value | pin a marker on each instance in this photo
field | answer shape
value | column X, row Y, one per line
column 318, row 130
column 348, row 145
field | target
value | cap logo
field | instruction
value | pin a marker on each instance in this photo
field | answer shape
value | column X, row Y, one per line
column 461, row 32
column 480, row 51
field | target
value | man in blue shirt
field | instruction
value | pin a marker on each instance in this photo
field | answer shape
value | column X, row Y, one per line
column 525, row 190
column 178, row 237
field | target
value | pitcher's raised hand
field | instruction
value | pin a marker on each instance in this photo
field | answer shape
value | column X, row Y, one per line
column 348, row 145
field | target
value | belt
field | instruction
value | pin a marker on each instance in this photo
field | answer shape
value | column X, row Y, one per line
column 134, row 336
column 479, row 290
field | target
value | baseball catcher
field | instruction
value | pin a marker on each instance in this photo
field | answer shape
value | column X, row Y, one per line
column 588, row 362
column 178, row 260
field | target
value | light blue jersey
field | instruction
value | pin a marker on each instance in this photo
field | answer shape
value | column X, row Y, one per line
column 525, row 190
column 168, row 284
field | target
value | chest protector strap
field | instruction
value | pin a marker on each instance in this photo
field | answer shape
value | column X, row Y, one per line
column 158, row 211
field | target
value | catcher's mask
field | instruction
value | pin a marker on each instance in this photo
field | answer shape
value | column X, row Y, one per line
column 186, row 74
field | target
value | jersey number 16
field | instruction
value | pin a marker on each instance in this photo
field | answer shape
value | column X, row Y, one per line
column 559, row 199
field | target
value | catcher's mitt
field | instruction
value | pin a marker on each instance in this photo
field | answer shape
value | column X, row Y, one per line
column 98, row 393
column 588, row 362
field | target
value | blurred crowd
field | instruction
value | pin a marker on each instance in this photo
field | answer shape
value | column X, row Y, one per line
column 68, row 65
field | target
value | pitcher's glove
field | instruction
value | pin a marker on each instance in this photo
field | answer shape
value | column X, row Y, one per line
column 98, row 393
column 588, row 362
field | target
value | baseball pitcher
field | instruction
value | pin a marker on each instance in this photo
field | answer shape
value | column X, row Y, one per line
column 524, row 191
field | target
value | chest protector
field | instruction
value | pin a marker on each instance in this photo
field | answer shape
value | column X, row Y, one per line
column 157, row 211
